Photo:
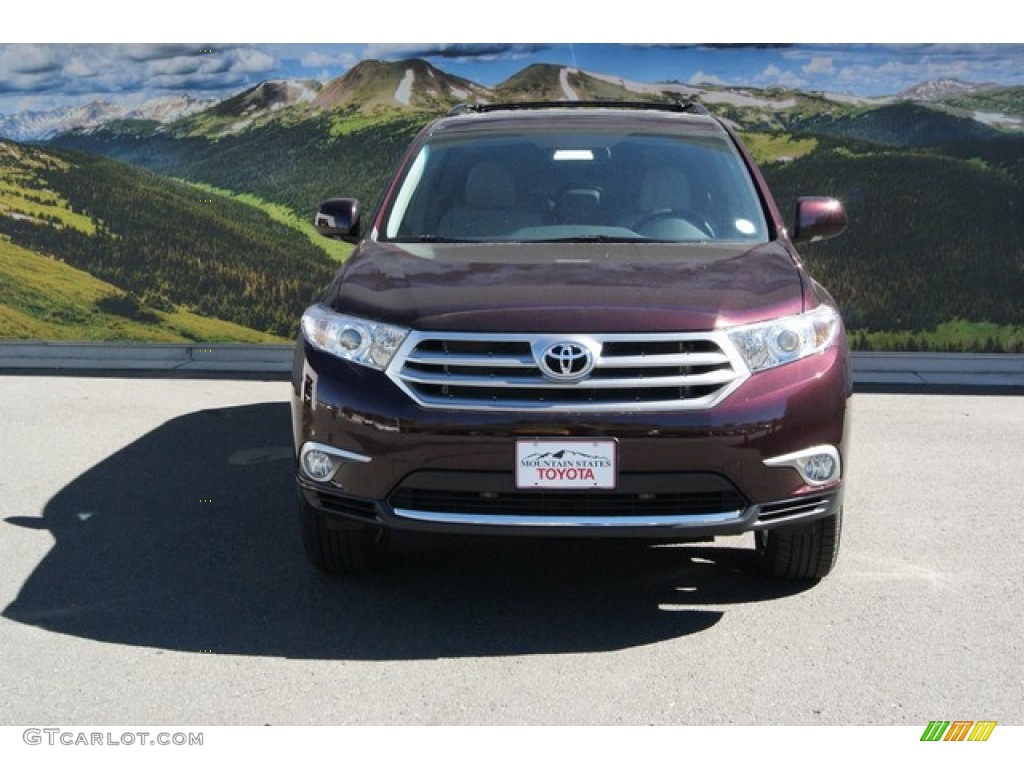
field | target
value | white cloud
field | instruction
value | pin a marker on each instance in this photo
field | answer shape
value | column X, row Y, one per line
column 177, row 65
column 819, row 65
column 29, row 59
column 344, row 59
column 102, row 68
column 391, row 50
column 79, row 66
column 774, row 76
column 317, row 59
column 252, row 60
column 893, row 76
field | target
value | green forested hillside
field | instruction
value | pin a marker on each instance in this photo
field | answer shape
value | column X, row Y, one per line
column 899, row 125
column 41, row 297
column 296, row 165
column 1007, row 100
column 166, row 245
column 931, row 238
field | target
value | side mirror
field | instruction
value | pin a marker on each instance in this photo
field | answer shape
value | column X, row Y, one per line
column 338, row 217
column 818, row 218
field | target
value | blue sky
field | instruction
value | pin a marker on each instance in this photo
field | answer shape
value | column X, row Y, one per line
column 53, row 68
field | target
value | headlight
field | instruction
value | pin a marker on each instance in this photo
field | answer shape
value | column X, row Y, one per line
column 767, row 345
column 351, row 338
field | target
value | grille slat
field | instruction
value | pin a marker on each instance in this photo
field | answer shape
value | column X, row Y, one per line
column 682, row 360
column 630, row 371
column 428, row 358
column 493, row 380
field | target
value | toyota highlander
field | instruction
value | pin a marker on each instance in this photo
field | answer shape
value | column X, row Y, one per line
column 574, row 319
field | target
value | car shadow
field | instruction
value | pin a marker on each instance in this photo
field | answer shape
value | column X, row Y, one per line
column 186, row 539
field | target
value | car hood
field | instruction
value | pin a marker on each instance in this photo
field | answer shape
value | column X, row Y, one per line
column 568, row 287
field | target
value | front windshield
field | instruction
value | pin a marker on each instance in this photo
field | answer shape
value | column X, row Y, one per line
column 548, row 186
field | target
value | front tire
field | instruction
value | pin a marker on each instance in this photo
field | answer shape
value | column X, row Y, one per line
column 340, row 546
column 800, row 552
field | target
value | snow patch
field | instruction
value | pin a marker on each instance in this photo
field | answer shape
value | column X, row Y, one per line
column 745, row 100
column 307, row 93
column 563, row 80
column 296, row 91
column 637, row 87
column 999, row 120
column 237, row 127
column 860, row 101
column 734, row 98
column 404, row 92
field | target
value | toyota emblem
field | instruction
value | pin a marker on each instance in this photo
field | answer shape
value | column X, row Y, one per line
column 566, row 361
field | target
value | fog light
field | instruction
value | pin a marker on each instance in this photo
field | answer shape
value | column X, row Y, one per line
column 819, row 465
column 318, row 465
column 818, row 468
column 321, row 462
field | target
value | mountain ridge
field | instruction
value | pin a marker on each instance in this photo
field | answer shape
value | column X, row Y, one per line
column 417, row 84
column 410, row 83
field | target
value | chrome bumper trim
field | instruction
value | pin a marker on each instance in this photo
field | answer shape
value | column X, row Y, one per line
column 568, row 521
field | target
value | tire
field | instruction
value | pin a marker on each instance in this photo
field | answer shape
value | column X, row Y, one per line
column 341, row 547
column 800, row 552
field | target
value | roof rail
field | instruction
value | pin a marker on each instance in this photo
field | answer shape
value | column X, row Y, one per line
column 689, row 106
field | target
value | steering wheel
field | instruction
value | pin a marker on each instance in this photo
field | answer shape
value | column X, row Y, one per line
column 690, row 217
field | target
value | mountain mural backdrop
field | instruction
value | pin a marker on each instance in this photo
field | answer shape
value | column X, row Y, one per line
column 188, row 218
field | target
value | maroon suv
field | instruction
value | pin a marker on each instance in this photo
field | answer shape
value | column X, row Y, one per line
column 577, row 319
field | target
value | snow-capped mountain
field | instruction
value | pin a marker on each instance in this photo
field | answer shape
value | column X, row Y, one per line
column 266, row 97
column 937, row 90
column 166, row 109
column 253, row 106
column 45, row 124
column 34, row 125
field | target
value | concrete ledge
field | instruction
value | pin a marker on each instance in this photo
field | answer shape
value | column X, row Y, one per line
column 872, row 369
column 938, row 370
column 153, row 358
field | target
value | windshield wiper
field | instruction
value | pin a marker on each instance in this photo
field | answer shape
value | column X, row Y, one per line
column 590, row 239
column 427, row 239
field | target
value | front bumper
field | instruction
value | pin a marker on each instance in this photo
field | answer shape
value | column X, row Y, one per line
column 680, row 475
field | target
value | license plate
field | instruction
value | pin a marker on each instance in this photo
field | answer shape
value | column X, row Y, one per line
column 566, row 463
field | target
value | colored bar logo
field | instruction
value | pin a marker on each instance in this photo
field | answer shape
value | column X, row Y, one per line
column 958, row 730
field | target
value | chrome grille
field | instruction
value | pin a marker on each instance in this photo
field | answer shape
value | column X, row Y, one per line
column 630, row 372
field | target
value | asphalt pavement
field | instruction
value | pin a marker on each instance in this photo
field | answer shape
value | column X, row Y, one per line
column 152, row 573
